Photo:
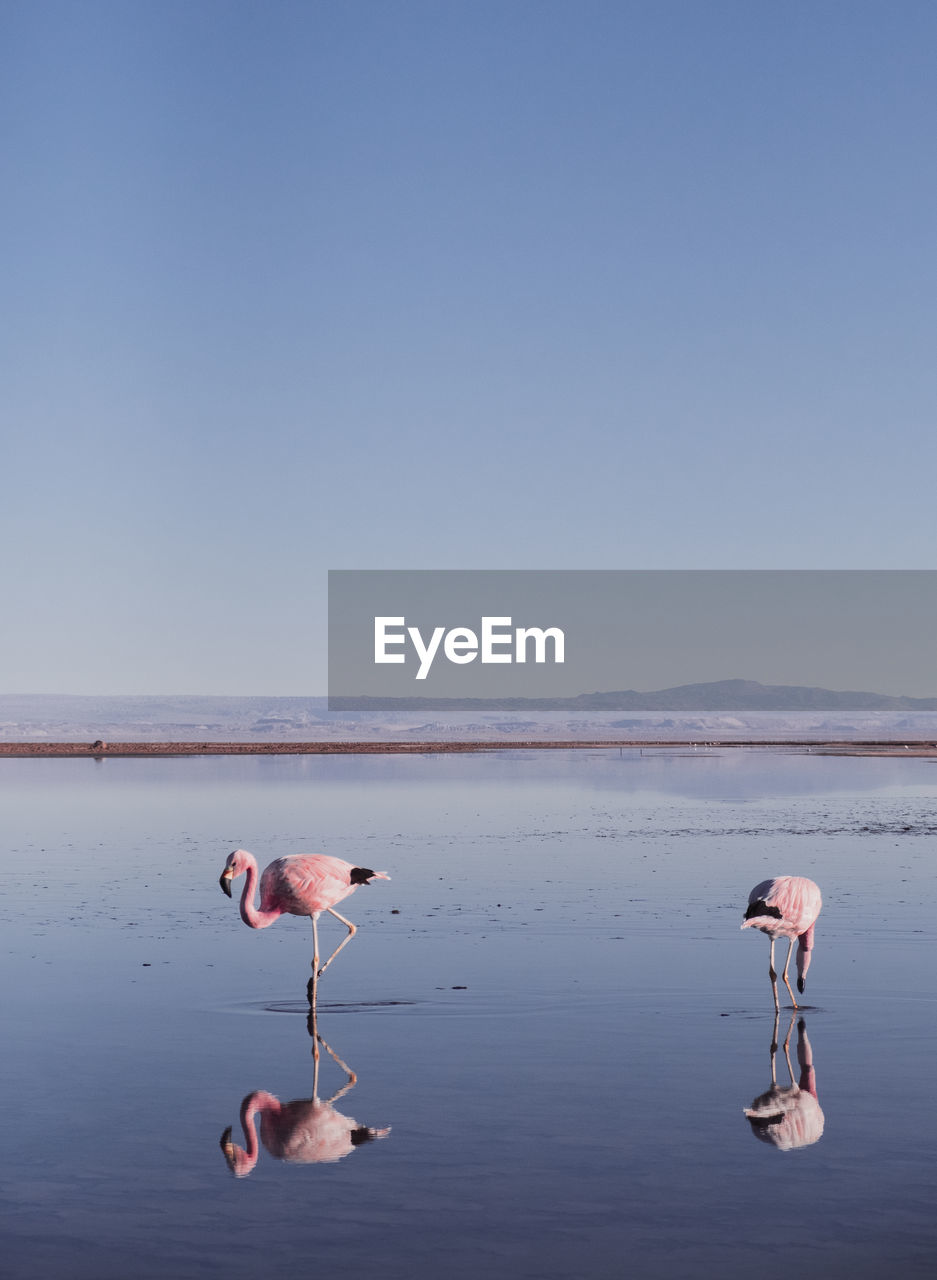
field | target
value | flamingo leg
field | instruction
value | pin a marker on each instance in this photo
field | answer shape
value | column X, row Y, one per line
column 787, row 1043
column 774, row 1047
column 315, row 1055
column 790, row 951
column 352, row 1078
column 772, row 974
column 313, row 983
column 313, row 1029
column 352, row 930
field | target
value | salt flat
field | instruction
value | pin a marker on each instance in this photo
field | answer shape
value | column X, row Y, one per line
column 551, row 1007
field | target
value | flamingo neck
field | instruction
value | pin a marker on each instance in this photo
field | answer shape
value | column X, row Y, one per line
column 804, row 949
column 258, row 1101
column 256, row 917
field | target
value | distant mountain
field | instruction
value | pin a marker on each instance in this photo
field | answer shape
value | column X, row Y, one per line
column 716, row 695
column 155, row 708
column 183, row 717
column 737, row 708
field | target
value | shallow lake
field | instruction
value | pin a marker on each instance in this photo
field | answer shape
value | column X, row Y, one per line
column 537, row 1051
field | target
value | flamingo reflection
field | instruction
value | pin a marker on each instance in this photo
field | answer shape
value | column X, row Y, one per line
column 305, row 1131
column 789, row 1116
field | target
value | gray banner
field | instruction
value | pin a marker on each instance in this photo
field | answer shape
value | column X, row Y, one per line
column 444, row 636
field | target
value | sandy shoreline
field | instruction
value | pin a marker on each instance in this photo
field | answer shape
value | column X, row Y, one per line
column 918, row 748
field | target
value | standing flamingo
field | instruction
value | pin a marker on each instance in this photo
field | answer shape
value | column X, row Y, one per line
column 786, row 907
column 307, row 1131
column 299, row 885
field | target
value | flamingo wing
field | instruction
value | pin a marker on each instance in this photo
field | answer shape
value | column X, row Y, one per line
column 787, row 905
column 304, row 884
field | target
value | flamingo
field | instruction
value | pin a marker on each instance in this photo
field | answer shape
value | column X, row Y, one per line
column 789, row 1116
column 298, row 885
column 306, row 1131
column 786, row 907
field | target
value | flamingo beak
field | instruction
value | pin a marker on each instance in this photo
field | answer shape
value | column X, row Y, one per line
column 235, row 1156
column 230, row 1150
column 225, row 881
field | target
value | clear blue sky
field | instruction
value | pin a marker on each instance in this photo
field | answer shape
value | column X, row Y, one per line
column 591, row 284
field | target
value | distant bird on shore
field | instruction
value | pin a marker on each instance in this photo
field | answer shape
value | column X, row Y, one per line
column 298, row 885
column 786, row 907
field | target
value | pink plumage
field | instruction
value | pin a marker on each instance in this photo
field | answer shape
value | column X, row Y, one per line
column 789, row 1116
column 307, row 1131
column 298, row 885
column 786, row 907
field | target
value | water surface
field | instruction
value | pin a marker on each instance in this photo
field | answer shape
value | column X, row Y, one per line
column 550, row 1007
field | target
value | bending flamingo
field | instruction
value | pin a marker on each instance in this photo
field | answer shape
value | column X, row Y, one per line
column 307, row 1131
column 789, row 1116
column 299, row 885
column 786, row 907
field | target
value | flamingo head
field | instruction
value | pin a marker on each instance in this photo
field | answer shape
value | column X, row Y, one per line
column 236, row 1158
column 235, row 866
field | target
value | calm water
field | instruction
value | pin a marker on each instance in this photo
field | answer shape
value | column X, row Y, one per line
column 550, row 1007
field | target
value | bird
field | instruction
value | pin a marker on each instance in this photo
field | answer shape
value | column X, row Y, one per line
column 307, row 1131
column 789, row 1116
column 786, row 907
column 298, row 885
